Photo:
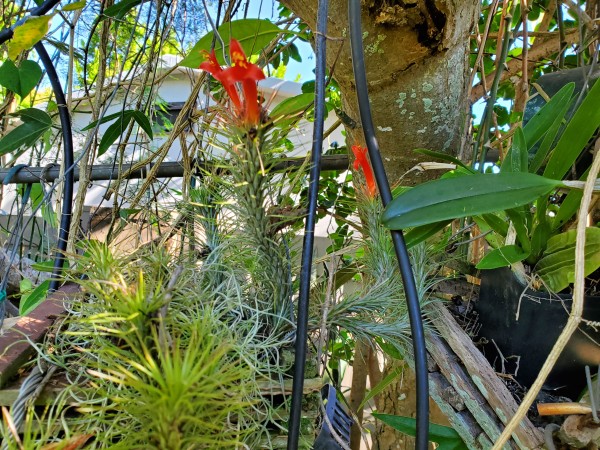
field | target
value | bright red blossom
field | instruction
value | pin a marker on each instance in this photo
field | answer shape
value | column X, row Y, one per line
column 361, row 161
column 242, row 71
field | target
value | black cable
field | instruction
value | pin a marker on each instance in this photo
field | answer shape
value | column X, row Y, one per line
column 7, row 33
column 67, row 203
column 412, row 297
column 309, row 230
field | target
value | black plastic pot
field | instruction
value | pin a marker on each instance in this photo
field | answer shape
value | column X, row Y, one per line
column 542, row 317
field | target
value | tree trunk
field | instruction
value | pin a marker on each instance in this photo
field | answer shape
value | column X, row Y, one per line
column 416, row 55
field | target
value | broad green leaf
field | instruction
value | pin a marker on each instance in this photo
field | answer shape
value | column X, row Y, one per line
column 443, row 157
column 463, row 196
column 21, row 80
column 502, row 257
column 539, row 239
column 35, row 123
column 292, row 106
column 578, row 132
column 446, row 437
column 32, row 300
column 144, row 123
column 74, row 6
column 25, row 286
column 419, row 234
column 253, row 34
column 27, row 35
column 516, row 160
column 497, row 224
column 105, row 119
column 119, row 10
column 557, row 266
column 113, row 132
column 541, row 122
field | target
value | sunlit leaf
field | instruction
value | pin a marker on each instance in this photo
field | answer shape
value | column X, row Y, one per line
column 74, row 6
column 28, row 34
column 253, row 34
column 463, row 196
column 32, row 300
column 21, row 80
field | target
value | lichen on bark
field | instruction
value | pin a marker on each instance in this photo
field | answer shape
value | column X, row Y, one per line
column 418, row 53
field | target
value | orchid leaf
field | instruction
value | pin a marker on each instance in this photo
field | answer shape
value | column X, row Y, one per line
column 557, row 265
column 548, row 114
column 516, row 160
column 578, row 132
column 502, row 257
column 456, row 197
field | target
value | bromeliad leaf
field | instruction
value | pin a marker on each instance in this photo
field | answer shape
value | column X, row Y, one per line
column 253, row 34
column 446, row 437
column 557, row 265
column 35, row 123
column 463, row 196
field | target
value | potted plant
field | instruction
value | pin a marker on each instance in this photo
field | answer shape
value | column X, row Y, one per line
column 525, row 212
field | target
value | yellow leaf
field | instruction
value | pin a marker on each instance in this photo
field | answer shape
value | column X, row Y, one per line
column 27, row 35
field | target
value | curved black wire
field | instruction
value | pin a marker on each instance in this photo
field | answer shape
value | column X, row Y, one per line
column 412, row 297
column 7, row 33
column 67, row 203
column 309, row 229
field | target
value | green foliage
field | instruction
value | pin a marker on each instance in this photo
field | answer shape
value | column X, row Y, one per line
column 21, row 80
column 116, row 129
column 253, row 35
column 28, row 34
column 35, row 123
column 446, row 438
column 463, row 196
column 517, row 194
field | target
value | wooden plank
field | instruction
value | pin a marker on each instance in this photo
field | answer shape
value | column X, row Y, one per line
column 14, row 346
column 465, row 390
column 483, row 376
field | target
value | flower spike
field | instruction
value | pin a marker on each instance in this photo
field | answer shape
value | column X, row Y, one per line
column 362, row 162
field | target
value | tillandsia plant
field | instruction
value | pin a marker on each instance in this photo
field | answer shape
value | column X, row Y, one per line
column 377, row 312
column 525, row 209
column 249, row 154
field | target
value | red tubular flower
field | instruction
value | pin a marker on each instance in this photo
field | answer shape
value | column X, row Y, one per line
column 242, row 71
column 362, row 162
column 212, row 66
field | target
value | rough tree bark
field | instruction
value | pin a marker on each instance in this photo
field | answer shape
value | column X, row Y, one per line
column 416, row 55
